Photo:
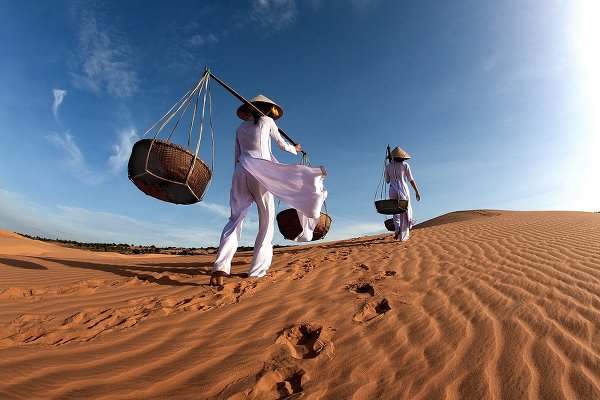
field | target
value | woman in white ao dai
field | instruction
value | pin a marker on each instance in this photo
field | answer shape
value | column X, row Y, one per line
column 256, row 178
column 398, row 174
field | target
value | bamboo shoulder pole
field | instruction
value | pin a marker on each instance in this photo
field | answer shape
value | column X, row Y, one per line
column 243, row 100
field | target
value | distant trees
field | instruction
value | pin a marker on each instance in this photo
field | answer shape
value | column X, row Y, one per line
column 125, row 248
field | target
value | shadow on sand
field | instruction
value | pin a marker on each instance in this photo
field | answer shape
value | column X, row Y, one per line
column 21, row 263
column 142, row 272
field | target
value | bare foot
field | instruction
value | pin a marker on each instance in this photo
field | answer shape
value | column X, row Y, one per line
column 216, row 279
column 396, row 235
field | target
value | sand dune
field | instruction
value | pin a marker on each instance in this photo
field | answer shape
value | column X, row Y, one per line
column 478, row 304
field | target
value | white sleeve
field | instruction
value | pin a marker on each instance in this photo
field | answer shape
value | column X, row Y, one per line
column 282, row 144
column 408, row 172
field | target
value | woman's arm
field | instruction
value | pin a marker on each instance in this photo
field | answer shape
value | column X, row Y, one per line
column 414, row 185
column 282, row 144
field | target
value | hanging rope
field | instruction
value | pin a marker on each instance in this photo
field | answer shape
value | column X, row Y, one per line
column 166, row 170
column 381, row 186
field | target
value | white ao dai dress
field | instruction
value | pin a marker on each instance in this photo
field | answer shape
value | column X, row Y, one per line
column 256, row 178
column 398, row 174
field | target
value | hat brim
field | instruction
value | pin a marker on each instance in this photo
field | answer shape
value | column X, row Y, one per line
column 399, row 153
column 244, row 111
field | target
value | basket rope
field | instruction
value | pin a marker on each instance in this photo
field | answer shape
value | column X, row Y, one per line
column 382, row 185
column 179, row 109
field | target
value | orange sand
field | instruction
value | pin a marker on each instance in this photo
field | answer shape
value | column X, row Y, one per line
column 477, row 305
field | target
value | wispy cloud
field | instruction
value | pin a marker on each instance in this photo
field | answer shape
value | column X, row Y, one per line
column 75, row 162
column 19, row 214
column 67, row 144
column 345, row 228
column 217, row 209
column 77, row 165
column 198, row 40
column 122, row 150
column 272, row 15
column 59, row 96
column 103, row 56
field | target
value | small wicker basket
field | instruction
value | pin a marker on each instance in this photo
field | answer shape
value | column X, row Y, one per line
column 389, row 225
column 289, row 225
column 391, row 206
column 168, row 172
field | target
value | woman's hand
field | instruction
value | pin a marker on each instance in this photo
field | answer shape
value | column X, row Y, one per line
column 298, row 147
column 418, row 196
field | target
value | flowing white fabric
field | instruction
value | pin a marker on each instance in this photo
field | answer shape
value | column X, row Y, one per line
column 257, row 177
column 398, row 174
column 298, row 186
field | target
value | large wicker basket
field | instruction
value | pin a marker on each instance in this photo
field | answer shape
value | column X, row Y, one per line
column 391, row 206
column 168, row 172
column 389, row 225
column 289, row 225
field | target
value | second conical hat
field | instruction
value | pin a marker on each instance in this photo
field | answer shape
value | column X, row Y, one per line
column 398, row 152
column 260, row 102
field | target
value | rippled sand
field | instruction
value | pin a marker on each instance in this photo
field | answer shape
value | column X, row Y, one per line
column 478, row 304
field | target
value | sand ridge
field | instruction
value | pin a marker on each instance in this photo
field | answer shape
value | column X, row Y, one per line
column 477, row 304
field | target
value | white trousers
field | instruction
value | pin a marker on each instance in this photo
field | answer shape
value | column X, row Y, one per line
column 245, row 190
column 402, row 222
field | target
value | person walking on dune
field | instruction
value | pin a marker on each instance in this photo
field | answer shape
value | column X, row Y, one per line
column 397, row 174
column 256, row 178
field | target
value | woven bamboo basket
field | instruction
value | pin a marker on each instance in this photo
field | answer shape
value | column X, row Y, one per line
column 289, row 225
column 391, row 206
column 168, row 172
column 389, row 225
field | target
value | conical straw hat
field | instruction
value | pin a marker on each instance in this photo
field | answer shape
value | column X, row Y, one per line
column 261, row 102
column 398, row 152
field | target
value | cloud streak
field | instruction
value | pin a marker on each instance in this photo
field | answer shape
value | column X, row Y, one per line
column 344, row 228
column 19, row 214
column 67, row 144
column 272, row 15
column 102, row 57
column 75, row 162
column 59, row 96
column 122, row 150
column 77, row 165
column 216, row 209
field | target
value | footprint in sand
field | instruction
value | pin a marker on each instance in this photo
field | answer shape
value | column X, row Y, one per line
column 282, row 377
column 80, row 288
column 298, row 269
column 306, row 340
column 361, row 288
column 279, row 382
column 232, row 293
column 89, row 323
column 25, row 329
column 372, row 309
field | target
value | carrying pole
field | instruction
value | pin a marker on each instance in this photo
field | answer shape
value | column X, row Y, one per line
column 252, row 106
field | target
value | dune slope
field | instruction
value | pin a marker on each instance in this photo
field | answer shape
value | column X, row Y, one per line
column 477, row 304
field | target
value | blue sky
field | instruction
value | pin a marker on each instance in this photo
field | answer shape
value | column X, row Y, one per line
column 496, row 101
